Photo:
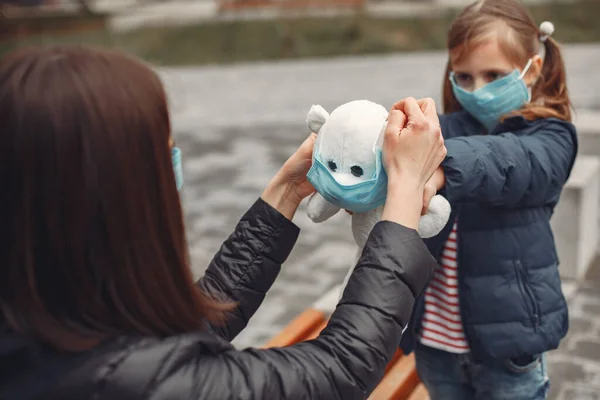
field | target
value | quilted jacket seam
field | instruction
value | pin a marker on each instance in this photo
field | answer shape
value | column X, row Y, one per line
column 256, row 256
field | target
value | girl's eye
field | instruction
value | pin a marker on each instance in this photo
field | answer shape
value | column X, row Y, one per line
column 463, row 80
column 332, row 166
column 492, row 76
column 356, row 171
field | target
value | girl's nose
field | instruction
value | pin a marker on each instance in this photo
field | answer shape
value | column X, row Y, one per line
column 479, row 82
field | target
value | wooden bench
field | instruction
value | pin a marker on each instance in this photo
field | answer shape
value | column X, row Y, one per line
column 400, row 381
column 22, row 22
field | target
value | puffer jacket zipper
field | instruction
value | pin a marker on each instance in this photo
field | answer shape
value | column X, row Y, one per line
column 528, row 293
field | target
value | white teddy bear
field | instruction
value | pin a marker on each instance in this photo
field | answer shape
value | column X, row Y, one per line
column 347, row 171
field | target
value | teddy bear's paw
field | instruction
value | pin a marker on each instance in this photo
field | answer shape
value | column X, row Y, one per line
column 436, row 218
column 439, row 206
column 319, row 209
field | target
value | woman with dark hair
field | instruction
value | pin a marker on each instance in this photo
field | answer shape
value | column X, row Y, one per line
column 96, row 294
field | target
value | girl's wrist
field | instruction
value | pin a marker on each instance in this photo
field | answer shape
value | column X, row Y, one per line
column 439, row 179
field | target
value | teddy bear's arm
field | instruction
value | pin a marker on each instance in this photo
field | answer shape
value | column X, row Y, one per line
column 319, row 209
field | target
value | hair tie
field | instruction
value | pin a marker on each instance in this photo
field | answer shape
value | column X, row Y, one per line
column 546, row 30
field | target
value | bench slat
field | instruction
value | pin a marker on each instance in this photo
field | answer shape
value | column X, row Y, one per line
column 398, row 382
column 393, row 361
column 420, row 393
column 297, row 330
column 316, row 331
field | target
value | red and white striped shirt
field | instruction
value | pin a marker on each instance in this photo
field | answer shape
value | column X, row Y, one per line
column 441, row 327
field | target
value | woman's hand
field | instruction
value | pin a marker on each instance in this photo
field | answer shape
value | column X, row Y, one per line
column 289, row 186
column 413, row 149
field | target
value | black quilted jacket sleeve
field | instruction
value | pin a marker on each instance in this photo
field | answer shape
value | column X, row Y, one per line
column 349, row 358
column 248, row 262
column 345, row 362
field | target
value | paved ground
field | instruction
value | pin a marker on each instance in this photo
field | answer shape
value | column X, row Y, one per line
column 575, row 366
column 236, row 125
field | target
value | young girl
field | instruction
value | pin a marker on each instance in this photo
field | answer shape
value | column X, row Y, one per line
column 495, row 305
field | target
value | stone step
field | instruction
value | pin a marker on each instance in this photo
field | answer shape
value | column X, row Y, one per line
column 575, row 220
column 588, row 131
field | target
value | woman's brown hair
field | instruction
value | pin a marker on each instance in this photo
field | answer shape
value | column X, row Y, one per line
column 519, row 38
column 92, row 241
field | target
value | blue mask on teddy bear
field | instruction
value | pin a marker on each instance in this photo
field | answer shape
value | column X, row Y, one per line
column 360, row 196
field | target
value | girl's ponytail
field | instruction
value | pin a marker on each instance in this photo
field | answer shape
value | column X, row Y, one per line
column 550, row 95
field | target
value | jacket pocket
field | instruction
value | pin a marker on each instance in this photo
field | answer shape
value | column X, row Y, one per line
column 527, row 293
column 517, row 367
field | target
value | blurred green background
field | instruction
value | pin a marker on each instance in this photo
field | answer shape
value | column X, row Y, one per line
column 213, row 42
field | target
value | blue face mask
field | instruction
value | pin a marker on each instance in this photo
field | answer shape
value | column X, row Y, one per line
column 176, row 160
column 491, row 102
column 360, row 197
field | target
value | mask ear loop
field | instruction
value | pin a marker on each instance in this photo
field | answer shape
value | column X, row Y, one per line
column 319, row 140
column 378, row 145
column 526, row 68
column 378, row 148
column 451, row 77
column 529, row 94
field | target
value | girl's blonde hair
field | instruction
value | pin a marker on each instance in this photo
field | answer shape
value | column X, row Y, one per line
column 519, row 38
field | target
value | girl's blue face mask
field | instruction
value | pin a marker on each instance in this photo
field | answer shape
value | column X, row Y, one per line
column 177, row 169
column 359, row 197
column 491, row 102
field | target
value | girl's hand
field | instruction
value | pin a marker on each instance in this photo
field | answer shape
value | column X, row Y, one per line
column 289, row 186
column 413, row 149
column 432, row 187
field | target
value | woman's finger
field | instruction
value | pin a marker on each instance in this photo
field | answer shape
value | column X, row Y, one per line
column 306, row 147
column 396, row 121
column 311, row 138
column 401, row 105
column 427, row 105
column 413, row 110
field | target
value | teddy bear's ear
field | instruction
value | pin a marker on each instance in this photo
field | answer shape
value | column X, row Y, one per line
column 316, row 118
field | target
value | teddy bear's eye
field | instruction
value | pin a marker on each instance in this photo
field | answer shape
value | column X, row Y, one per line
column 332, row 166
column 356, row 171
